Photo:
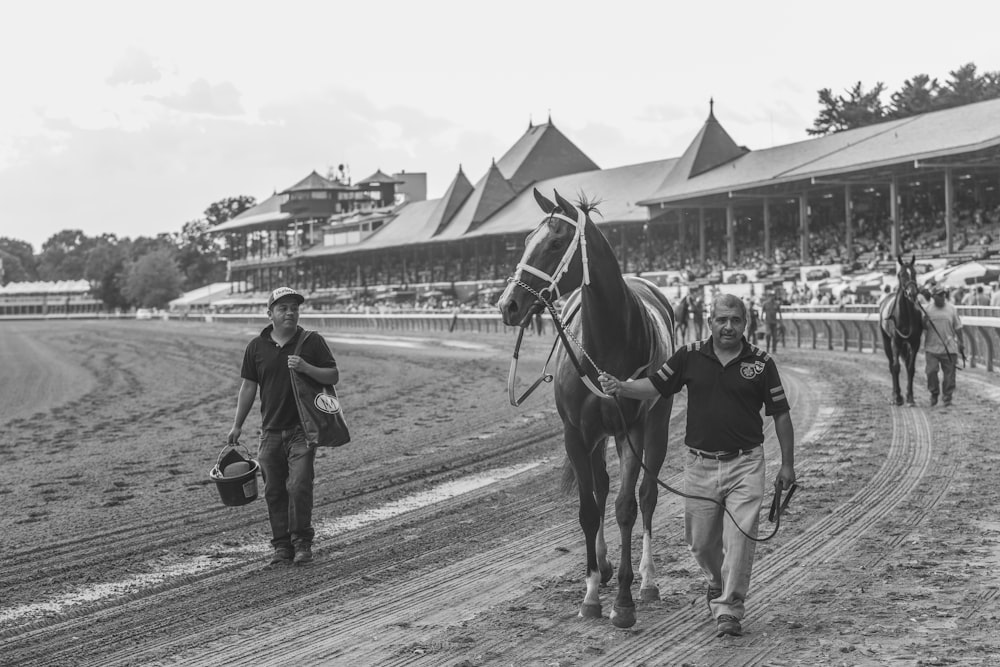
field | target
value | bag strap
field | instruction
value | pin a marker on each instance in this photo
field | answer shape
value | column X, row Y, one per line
column 302, row 339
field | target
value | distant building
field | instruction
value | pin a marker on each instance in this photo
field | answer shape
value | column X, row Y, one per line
column 48, row 299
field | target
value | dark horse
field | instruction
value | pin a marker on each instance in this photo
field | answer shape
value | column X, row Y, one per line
column 902, row 326
column 681, row 315
column 624, row 327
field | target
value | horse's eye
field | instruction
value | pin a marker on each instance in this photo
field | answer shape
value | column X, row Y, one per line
column 558, row 244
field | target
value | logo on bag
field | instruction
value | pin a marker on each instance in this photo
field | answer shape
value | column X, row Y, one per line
column 327, row 403
column 750, row 370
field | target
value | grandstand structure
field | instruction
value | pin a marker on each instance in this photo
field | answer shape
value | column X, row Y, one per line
column 868, row 193
column 48, row 299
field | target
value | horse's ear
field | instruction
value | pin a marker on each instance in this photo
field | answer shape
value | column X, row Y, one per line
column 913, row 260
column 899, row 259
column 566, row 207
column 546, row 205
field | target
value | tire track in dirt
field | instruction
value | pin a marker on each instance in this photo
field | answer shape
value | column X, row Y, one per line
column 388, row 611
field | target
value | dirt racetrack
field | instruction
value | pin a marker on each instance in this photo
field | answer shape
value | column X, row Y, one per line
column 442, row 537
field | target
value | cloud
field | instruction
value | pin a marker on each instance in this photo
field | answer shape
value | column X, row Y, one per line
column 134, row 67
column 202, row 97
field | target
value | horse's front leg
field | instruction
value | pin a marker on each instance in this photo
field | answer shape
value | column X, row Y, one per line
column 626, row 511
column 892, row 353
column 911, row 369
column 602, row 485
column 590, row 518
column 655, row 450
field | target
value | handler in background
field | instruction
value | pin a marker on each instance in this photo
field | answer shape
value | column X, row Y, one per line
column 285, row 459
column 942, row 345
column 728, row 382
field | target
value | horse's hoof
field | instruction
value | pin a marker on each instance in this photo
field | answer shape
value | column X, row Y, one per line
column 899, row 400
column 590, row 610
column 623, row 617
column 649, row 594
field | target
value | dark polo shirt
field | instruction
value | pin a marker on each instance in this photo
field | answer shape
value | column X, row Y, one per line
column 266, row 363
column 724, row 404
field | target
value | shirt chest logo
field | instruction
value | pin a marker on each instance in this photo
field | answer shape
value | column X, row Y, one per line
column 751, row 369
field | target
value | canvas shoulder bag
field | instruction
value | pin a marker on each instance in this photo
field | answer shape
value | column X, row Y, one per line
column 319, row 407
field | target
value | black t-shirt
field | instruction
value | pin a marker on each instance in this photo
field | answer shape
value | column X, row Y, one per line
column 266, row 363
column 724, row 404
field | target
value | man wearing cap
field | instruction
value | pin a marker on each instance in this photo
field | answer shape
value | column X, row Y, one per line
column 285, row 458
column 728, row 382
column 942, row 345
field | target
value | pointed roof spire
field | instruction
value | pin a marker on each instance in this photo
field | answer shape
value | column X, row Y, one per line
column 495, row 193
column 711, row 147
column 457, row 193
column 711, row 107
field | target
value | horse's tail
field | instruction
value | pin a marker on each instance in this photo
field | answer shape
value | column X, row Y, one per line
column 568, row 482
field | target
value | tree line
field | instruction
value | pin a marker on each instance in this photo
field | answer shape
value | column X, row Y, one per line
column 146, row 272
column 859, row 107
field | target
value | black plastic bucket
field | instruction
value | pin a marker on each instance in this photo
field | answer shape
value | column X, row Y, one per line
column 235, row 476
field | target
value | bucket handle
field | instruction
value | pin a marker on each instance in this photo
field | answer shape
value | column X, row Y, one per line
column 229, row 446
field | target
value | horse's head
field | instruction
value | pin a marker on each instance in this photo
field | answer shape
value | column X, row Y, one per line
column 552, row 265
column 906, row 274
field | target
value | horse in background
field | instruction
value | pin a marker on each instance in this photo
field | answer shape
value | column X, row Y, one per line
column 681, row 315
column 625, row 326
column 902, row 325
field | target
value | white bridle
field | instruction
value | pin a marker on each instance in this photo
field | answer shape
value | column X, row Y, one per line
column 579, row 239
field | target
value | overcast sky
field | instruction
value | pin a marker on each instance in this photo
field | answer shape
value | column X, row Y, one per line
column 132, row 117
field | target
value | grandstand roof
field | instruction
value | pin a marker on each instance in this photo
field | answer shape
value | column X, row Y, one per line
column 379, row 177
column 265, row 214
column 315, row 182
column 950, row 132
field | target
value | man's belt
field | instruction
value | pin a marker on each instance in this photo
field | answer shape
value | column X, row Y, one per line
column 721, row 456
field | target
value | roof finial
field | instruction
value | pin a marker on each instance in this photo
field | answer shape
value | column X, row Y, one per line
column 550, row 115
column 711, row 106
column 530, row 124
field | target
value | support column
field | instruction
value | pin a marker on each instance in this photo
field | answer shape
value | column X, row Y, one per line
column 949, row 204
column 701, row 234
column 767, row 230
column 730, row 235
column 848, row 224
column 894, row 214
column 804, row 256
column 682, row 234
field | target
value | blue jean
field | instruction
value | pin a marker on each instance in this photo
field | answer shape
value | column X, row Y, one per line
column 286, row 462
column 724, row 554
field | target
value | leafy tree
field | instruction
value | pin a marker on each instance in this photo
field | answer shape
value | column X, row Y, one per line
column 857, row 109
column 918, row 95
column 228, row 208
column 64, row 256
column 153, row 280
column 105, row 269
column 199, row 255
column 11, row 269
column 25, row 256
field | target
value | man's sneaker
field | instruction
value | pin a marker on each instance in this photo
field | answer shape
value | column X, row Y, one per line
column 281, row 556
column 711, row 595
column 303, row 554
column 729, row 625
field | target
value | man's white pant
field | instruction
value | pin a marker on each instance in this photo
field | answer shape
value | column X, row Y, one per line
column 723, row 552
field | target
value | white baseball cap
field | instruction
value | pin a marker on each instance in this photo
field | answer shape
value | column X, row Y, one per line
column 283, row 292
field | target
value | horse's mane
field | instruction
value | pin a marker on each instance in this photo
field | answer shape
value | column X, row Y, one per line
column 588, row 205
